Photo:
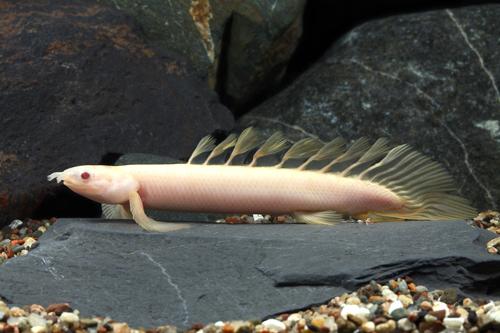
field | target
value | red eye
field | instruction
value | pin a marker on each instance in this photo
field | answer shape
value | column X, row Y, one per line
column 85, row 175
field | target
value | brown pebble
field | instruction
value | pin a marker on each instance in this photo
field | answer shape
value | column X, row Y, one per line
column 438, row 314
column 59, row 308
column 280, row 219
column 232, row 219
column 102, row 329
column 228, row 328
column 6, row 328
column 376, row 299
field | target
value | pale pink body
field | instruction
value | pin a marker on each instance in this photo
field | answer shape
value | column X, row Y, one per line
column 244, row 189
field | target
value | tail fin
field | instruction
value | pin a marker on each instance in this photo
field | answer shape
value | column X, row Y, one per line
column 424, row 185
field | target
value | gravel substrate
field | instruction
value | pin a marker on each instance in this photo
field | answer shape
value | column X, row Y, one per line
column 398, row 306
column 20, row 237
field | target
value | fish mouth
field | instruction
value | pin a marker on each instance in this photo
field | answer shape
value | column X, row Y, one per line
column 58, row 176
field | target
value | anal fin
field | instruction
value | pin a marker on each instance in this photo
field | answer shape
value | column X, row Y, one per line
column 325, row 217
column 147, row 223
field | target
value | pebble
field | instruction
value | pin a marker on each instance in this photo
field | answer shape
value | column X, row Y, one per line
column 36, row 319
column 387, row 327
column 399, row 313
column 403, row 287
column 494, row 315
column 15, row 224
column 389, row 294
column 356, row 310
column 440, row 306
column 294, row 317
column 38, row 329
column 330, row 324
column 421, row 289
column 274, row 324
column 394, row 306
column 368, row 327
column 69, row 318
column 406, row 300
column 405, row 324
column 454, row 324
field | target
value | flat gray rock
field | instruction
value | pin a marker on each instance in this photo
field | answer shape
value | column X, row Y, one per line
column 216, row 272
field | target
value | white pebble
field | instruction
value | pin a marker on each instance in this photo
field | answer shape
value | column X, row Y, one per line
column 258, row 217
column 395, row 305
column 356, row 310
column 15, row 223
column 330, row 324
column 438, row 306
column 454, row 324
column 389, row 294
column 39, row 329
column 36, row 320
column 294, row 317
column 494, row 315
column 405, row 324
column 274, row 324
column 489, row 306
column 219, row 324
column 68, row 318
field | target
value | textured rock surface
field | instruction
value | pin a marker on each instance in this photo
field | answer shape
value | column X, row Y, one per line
column 428, row 79
column 242, row 47
column 77, row 82
column 220, row 272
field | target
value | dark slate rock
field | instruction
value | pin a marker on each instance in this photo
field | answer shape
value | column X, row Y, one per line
column 243, row 47
column 77, row 82
column 216, row 272
column 428, row 79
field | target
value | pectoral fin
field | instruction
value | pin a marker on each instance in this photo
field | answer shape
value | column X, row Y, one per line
column 326, row 217
column 112, row 212
column 147, row 223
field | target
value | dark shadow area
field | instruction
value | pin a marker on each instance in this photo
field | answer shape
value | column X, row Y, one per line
column 65, row 203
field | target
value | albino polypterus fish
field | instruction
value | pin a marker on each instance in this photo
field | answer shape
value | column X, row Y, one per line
column 376, row 181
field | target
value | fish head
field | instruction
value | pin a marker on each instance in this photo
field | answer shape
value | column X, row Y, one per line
column 101, row 183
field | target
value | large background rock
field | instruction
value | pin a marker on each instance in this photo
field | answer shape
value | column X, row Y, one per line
column 241, row 47
column 222, row 272
column 427, row 79
column 76, row 83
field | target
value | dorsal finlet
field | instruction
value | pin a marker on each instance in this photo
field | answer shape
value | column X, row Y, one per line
column 378, row 150
column 329, row 151
column 249, row 139
column 206, row 144
column 274, row 144
column 355, row 151
column 227, row 143
column 302, row 149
